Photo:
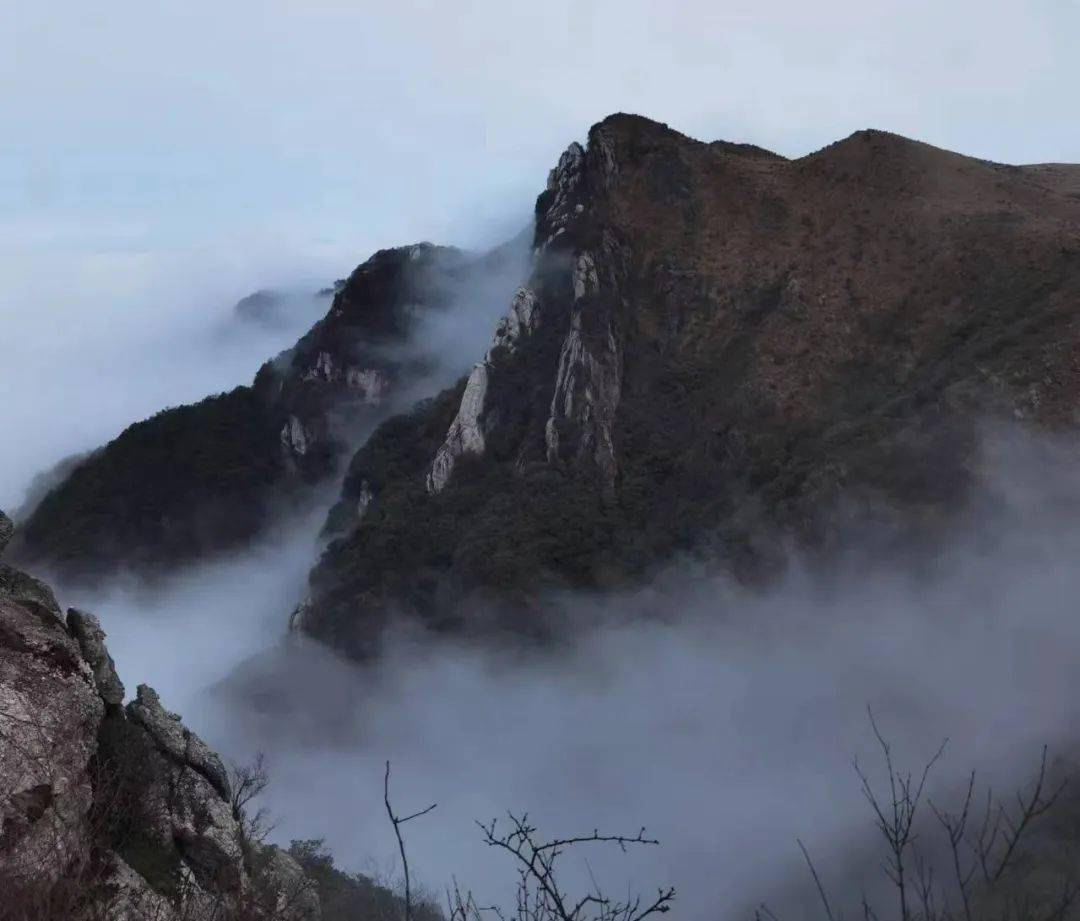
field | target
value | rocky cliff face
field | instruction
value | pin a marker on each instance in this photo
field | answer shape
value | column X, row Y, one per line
column 197, row 480
column 715, row 345
column 114, row 812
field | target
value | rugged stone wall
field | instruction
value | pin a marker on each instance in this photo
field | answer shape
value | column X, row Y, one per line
column 107, row 811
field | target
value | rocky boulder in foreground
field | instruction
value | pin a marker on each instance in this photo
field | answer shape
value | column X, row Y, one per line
column 112, row 812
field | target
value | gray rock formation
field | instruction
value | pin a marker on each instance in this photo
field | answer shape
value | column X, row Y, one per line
column 176, row 740
column 180, row 809
column 587, row 382
column 128, row 805
column 466, row 433
column 25, row 589
column 286, row 891
column 588, row 376
column 564, row 184
column 132, row 898
column 49, row 714
column 86, row 629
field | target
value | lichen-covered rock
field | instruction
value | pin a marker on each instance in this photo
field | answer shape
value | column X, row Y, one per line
column 121, row 815
column 176, row 740
column 204, row 829
column 173, row 823
column 25, row 589
column 179, row 827
column 86, row 629
column 128, row 897
column 49, row 714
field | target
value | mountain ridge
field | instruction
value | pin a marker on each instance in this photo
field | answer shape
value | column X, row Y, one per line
column 719, row 344
column 206, row 478
column 715, row 347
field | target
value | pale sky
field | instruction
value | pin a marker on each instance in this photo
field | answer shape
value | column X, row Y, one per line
column 165, row 158
column 327, row 120
column 160, row 159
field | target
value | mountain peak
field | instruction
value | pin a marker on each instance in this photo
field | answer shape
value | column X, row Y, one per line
column 714, row 345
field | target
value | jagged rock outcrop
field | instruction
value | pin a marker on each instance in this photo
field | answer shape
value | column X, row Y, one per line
column 722, row 344
column 177, row 742
column 24, row 588
column 466, row 434
column 114, row 813
column 86, row 629
column 288, row 892
column 587, row 384
column 184, row 823
column 49, row 714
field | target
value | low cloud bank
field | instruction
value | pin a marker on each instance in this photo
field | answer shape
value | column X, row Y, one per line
column 723, row 720
column 97, row 340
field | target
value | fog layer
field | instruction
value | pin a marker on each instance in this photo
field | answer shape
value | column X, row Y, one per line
column 723, row 720
column 97, row 340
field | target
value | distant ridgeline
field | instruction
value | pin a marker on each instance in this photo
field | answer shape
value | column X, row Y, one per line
column 714, row 347
column 197, row 480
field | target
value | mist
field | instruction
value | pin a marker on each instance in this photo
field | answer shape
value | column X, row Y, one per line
column 161, row 163
column 98, row 340
column 724, row 720
column 286, row 143
column 104, row 339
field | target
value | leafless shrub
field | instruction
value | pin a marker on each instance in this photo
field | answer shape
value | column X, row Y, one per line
column 539, row 894
column 397, row 822
column 975, row 874
column 248, row 781
column 541, row 897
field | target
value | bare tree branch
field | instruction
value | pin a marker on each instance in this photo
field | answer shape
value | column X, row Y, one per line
column 397, row 822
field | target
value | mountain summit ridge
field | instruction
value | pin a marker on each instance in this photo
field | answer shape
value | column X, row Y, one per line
column 208, row 478
column 719, row 344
